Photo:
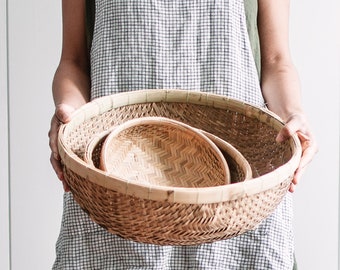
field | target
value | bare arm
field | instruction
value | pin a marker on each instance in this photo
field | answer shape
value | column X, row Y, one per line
column 71, row 83
column 279, row 78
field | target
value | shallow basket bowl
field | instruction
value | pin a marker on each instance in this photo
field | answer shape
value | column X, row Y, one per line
column 163, row 152
column 176, row 215
column 238, row 167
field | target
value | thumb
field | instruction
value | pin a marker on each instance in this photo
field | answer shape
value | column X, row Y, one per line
column 294, row 123
column 64, row 112
column 285, row 133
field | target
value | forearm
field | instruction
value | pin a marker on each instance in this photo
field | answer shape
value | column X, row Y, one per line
column 281, row 89
column 71, row 84
column 279, row 79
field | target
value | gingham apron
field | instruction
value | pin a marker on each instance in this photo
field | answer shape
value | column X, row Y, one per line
column 195, row 45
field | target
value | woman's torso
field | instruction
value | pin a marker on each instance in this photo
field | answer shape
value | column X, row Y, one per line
column 194, row 45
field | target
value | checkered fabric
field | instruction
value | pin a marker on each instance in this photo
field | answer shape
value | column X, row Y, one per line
column 195, row 45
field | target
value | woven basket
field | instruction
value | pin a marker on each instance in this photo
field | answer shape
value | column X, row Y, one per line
column 239, row 168
column 163, row 152
column 176, row 215
column 93, row 148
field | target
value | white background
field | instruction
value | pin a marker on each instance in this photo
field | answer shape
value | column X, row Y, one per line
column 30, row 194
column 315, row 47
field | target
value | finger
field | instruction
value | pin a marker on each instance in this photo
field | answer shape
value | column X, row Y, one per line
column 294, row 123
column 297, row 175
column 64, row 112
column 309, row 149
column 296, row 179
column 57, row 166
column 304, row 137
column 53, row 137
column 292, row 188
column 306, row 158
column 65, row 186
column 288, row 130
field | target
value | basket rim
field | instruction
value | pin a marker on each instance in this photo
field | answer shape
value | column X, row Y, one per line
column 233, row 152
column 92, row 143
column 204, row 195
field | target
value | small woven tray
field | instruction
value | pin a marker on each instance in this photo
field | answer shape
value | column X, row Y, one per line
column 176, row 215
column 163, row 152
column 239, row 168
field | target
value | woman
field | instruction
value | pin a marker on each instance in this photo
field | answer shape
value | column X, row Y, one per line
column 194, row 45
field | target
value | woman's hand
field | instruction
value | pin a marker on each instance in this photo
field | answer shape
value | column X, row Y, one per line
column 63, row 114
column 71, row 82
column 297, row 123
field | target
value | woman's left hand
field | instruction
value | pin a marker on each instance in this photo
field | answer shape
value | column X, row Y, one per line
column 297, row 123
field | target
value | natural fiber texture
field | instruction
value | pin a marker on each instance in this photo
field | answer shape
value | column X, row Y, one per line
column 163, row 152
column 93, row 148
column 239, row 168
column 238, row 162
column 175, row 215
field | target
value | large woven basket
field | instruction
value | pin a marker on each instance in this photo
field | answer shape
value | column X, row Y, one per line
column 176, row 215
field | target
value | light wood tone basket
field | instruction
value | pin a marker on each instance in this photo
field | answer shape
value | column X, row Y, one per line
column 163, row 152
column 93, row 148
column 175, row 215
column 238, row 167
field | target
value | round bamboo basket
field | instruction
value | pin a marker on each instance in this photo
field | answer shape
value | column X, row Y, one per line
column 238, row 167
column 176, row 215
column 163, row 152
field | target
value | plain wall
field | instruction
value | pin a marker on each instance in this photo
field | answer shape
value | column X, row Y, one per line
column 315, row 48
column 4, row 177
column 31, row 195
column 35, row 195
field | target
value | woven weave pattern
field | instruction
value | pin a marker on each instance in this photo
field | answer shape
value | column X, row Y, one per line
column 162, row 152
column 181, row 216
column 232, row 126
column 167, row 223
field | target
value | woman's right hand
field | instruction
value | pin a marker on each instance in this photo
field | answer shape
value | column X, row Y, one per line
column 63, row 114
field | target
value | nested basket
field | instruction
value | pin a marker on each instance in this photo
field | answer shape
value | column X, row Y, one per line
column 178, row 215
column 239, row 167
column 239, row 170
column 163, row 152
